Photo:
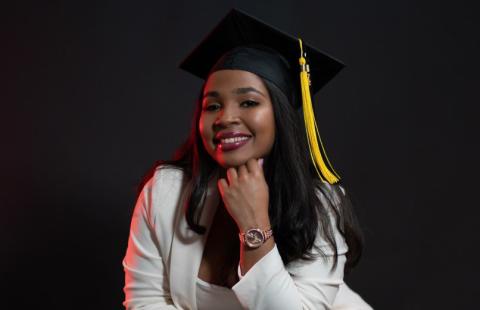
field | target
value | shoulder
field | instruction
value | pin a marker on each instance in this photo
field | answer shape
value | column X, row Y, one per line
column 165, row 179
column 169, row 173
column 164, row 192
column 332, row 197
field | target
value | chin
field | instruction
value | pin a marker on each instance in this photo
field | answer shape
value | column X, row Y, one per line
column 231, row 163
column 232, row 160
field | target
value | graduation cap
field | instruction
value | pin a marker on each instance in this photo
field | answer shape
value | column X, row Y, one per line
column 242, row 42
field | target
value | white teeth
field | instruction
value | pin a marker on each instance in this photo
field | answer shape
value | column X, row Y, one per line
column 233, row 140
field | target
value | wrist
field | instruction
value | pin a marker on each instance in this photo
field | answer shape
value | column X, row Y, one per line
column 258, row 222
column 254, row 238
column 249, row 256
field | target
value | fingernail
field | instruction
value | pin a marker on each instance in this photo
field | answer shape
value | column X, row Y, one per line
column 260, row 161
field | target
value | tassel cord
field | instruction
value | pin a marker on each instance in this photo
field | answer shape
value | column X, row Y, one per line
column 311, row 128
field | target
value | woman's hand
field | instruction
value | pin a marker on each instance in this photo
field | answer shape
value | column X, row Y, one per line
column 246, row 195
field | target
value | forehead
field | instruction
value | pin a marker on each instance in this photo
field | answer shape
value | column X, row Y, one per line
column 225, row 80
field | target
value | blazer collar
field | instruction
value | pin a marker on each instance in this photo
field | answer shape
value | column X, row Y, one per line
column 187, row 249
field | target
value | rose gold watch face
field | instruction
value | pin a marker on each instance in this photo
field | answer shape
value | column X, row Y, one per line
column 254, row 238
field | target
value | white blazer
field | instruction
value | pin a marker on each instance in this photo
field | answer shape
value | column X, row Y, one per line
column 163, row 258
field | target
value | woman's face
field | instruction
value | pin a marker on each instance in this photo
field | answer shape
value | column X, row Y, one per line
column 236, row 122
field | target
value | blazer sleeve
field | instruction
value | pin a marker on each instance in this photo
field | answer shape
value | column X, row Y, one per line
column 305, row 285
column 146, row 280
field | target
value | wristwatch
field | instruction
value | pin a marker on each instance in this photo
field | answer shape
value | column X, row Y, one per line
column 255, row 237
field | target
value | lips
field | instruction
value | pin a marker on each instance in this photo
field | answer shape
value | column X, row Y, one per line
column 229, row 135
column 228, row 141
column 230, row 146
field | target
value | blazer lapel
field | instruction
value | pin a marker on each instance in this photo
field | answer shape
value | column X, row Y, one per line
column 187, row 250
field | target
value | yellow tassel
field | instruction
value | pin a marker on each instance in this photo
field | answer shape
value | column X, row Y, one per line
column 311, row 126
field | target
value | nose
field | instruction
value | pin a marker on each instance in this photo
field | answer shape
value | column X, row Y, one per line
column 226, row 117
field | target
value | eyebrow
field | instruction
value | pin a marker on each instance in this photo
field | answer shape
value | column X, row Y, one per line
column 237, row 91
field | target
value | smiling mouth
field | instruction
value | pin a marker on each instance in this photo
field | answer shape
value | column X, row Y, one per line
column 229, row 144
column 230, row 139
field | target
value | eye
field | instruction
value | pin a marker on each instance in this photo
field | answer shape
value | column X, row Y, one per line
column 211, row 107
column 249, row 103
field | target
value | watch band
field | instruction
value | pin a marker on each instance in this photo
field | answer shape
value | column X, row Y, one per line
column 267, row 234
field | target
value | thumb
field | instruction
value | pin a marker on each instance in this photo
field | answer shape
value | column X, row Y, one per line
column 260, row 163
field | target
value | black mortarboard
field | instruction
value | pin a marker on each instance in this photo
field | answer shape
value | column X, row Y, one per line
column 240, row 29
column 242, row 42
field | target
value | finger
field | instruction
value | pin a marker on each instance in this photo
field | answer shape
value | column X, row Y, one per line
column 256, row 166
column 260, row 164
column 252, row 165
column 242, row 172
column 232, row 175
column 222, row 186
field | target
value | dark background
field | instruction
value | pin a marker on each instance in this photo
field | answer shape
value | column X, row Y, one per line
column 91, row 97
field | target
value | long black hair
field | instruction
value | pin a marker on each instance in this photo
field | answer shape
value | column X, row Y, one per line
column 296, row 212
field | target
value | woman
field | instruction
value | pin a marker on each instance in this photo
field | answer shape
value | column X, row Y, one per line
column 244, row 217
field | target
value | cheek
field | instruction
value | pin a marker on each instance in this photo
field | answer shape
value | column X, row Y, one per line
column 204, row 128
column 201, row 126
column 265, row 123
